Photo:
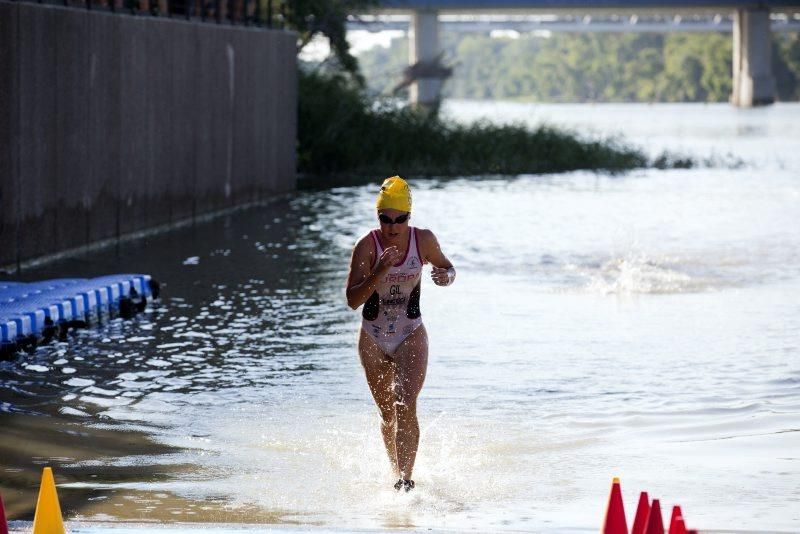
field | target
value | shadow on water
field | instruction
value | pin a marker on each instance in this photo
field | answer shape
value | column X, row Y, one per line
column 28, row 443
column 102, row 473
column 238, row 292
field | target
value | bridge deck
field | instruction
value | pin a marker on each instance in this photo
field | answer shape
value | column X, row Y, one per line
column 580, row 5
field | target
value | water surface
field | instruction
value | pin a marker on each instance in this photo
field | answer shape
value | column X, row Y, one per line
column 645, row 326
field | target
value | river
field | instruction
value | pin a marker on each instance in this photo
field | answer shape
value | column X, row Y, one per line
column 643, row 325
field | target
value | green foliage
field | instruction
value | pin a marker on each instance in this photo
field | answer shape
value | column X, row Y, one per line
column 591, row 67
column 343, row 131
column 329, row 18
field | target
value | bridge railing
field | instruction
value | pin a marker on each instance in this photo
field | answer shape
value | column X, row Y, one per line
column 258, row 13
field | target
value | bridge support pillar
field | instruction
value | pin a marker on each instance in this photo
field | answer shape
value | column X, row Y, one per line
column 424, row 47
column 753, row 82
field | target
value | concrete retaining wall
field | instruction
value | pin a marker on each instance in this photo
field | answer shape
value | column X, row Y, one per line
column 111, row 123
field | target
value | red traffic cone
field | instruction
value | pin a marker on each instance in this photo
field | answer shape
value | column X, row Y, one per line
column 615, row 513
column 3, row 522
column 640, row 521
column 676, row 525
column 655, row 524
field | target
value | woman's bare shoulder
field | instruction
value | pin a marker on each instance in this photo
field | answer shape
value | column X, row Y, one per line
column 364, row 245
column 427, row 242
column 425, row 236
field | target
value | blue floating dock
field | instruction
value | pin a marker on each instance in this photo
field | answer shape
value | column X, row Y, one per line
column 27, row 309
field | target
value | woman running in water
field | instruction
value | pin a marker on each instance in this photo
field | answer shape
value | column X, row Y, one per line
column 385, row 276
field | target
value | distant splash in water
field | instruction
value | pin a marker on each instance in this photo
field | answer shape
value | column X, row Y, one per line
column 639, row 273
column 635, row 271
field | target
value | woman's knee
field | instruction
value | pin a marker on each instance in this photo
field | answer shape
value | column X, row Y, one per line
column 406, row 409
column 408, row 388
column 388, row 414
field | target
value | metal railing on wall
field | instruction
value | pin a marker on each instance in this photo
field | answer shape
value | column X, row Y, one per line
column 260, row 13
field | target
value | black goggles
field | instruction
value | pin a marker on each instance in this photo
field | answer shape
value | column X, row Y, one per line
column 385, row 219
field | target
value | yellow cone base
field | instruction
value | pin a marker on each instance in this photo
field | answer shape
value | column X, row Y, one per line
column 48, row 512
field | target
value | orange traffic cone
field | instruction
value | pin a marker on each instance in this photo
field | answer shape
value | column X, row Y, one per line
column 47, row 519
column 676, row 524
column 640, row 521
column 3, row 522
column 615, row 513
column 655, row 524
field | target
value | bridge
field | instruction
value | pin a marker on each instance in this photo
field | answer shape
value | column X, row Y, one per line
column 753, row 81
column 547, row 24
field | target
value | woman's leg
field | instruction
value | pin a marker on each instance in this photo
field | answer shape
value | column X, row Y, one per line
column 411, row 363
column 380, row 377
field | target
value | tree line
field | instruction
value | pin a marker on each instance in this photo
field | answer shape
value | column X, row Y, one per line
column 589, row 67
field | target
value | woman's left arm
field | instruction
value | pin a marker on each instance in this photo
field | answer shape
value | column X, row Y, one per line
column 443, row 273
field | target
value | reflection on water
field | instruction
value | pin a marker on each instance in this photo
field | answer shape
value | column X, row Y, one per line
column 644, row 326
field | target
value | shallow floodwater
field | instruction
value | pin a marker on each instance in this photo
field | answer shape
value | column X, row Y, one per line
column 645, row 326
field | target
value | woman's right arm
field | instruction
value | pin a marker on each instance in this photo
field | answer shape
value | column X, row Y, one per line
column 362, row 279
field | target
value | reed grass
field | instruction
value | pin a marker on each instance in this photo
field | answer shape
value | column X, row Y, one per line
column 343, row 131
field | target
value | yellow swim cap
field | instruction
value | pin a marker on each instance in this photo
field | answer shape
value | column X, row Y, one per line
column 395, row 195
